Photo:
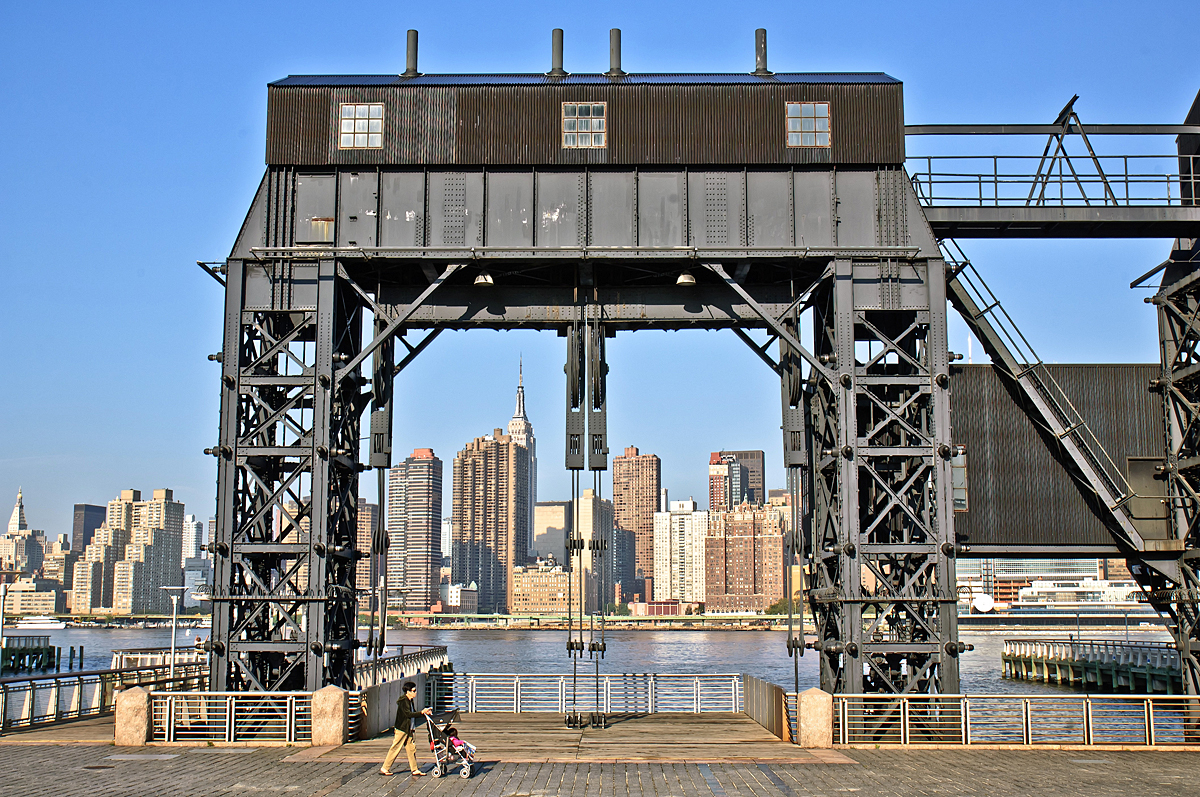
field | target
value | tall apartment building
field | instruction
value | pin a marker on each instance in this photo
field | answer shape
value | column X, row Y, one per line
column 490, row 517
column 744, row 559
column 193, row 539
column 414, row 559
column 595, row 517
column 152, row 557
column 727, row 482
column 88, row 518
column 368, row 519
column 753, row 462
column 679, row 544
column 551, row 526
column 92, row 583
column 292, row 526
column 521, row 431
column 637, row 481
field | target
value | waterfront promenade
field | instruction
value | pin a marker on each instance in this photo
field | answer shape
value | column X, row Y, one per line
column 727, row 756
column 103, row 771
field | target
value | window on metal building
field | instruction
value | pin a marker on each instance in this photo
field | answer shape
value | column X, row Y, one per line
column 585, row 125
column 361, row 126
column 808, row 124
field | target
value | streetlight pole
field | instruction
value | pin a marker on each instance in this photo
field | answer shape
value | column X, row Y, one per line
column 174, row 593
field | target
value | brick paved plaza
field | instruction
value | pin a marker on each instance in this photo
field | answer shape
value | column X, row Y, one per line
column 95, row 770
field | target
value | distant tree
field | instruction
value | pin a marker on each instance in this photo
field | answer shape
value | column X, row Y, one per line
column 781, row 607
column 619, row 609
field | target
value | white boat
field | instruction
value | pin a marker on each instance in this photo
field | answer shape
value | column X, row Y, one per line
column 39, row 624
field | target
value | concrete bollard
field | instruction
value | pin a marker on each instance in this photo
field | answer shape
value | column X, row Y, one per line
column 133, row 718
column 330, row 717
column 815, row 709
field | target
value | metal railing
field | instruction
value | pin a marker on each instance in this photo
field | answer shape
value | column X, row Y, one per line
column 229, row 717
column 624, row 693
column 1014, row 180
column 47, row 699
column 417, row 658
column 1027, row 720
column 1160, row 655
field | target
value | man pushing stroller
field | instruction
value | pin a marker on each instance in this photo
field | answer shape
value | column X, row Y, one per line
column 408, row 719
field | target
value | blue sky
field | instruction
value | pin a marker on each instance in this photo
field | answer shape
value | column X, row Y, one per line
column 134, row 142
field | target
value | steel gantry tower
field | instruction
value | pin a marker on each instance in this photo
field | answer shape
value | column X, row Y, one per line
column 774, row 205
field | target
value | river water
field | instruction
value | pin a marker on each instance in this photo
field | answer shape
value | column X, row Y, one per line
column 527, row 651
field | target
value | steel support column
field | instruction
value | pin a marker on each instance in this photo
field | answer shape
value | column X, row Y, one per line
column 881, row 544
column 285, row 549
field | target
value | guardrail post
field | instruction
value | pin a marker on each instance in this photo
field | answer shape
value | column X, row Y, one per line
column 903, row 720
column 517, row 694
column 291, row 717
column 607, row 694
column 169, row 719
column 733, row 703
column 845, row 718
column 695, row 695
column 3, row 708
column 1149, row 722
column 1087, row 721
column 230, row 730
column 471, row 695
column 562, row 695
column 653, row 694
column 1026, row 730
column 966, row 720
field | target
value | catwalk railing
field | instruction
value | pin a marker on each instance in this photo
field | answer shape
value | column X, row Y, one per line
column 1161, row 655
column 624, row 693
column 229, row 717
column 1027, row 181
column 410, row 659
column 1021, row 720
column 47, row 699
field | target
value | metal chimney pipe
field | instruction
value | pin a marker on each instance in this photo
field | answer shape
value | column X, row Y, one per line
column 556, row 55
column 410, row 69
column 614, row 53
column 760, row 53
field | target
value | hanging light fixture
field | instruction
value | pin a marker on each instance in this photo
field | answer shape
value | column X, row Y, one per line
column 685, row 278
column 485, row 278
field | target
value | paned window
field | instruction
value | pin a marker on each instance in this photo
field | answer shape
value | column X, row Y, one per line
column 585, row 125
column 808, row 124
column 361, row 126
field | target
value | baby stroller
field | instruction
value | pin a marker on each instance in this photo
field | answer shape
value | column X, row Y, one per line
column 448, row 750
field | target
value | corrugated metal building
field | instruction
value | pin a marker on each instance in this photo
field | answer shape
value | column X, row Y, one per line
column 1017, row 493
column 514, row 120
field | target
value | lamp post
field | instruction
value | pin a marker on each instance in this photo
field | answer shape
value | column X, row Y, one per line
column 174, row 592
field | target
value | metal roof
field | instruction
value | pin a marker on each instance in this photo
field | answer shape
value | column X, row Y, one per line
column 586, row 79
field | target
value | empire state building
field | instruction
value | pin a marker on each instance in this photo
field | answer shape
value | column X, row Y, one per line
column 521, row 431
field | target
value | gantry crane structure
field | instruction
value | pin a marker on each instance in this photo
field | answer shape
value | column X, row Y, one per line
column 774, row 204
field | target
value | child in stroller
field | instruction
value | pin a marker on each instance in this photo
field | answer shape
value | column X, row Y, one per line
column 448, row 750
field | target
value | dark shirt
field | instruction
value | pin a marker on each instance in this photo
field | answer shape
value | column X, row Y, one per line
column 405, row 712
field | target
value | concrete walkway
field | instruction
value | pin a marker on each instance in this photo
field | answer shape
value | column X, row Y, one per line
column 544, row 738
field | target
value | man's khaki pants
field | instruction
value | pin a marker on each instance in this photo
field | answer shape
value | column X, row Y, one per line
column 403, row 740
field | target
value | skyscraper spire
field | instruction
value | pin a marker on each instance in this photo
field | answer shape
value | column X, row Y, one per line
column 17, row 521
column 519, row 413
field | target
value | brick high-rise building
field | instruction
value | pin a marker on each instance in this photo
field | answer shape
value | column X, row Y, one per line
column 637, row 479
column 545, row 587
column 744, row 559
column 727, row 480
column 754, row 488
column 414, row 511
column 490, row 517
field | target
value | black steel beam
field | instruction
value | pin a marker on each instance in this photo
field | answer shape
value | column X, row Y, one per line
column 1048, row 130
column 1064, row 222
